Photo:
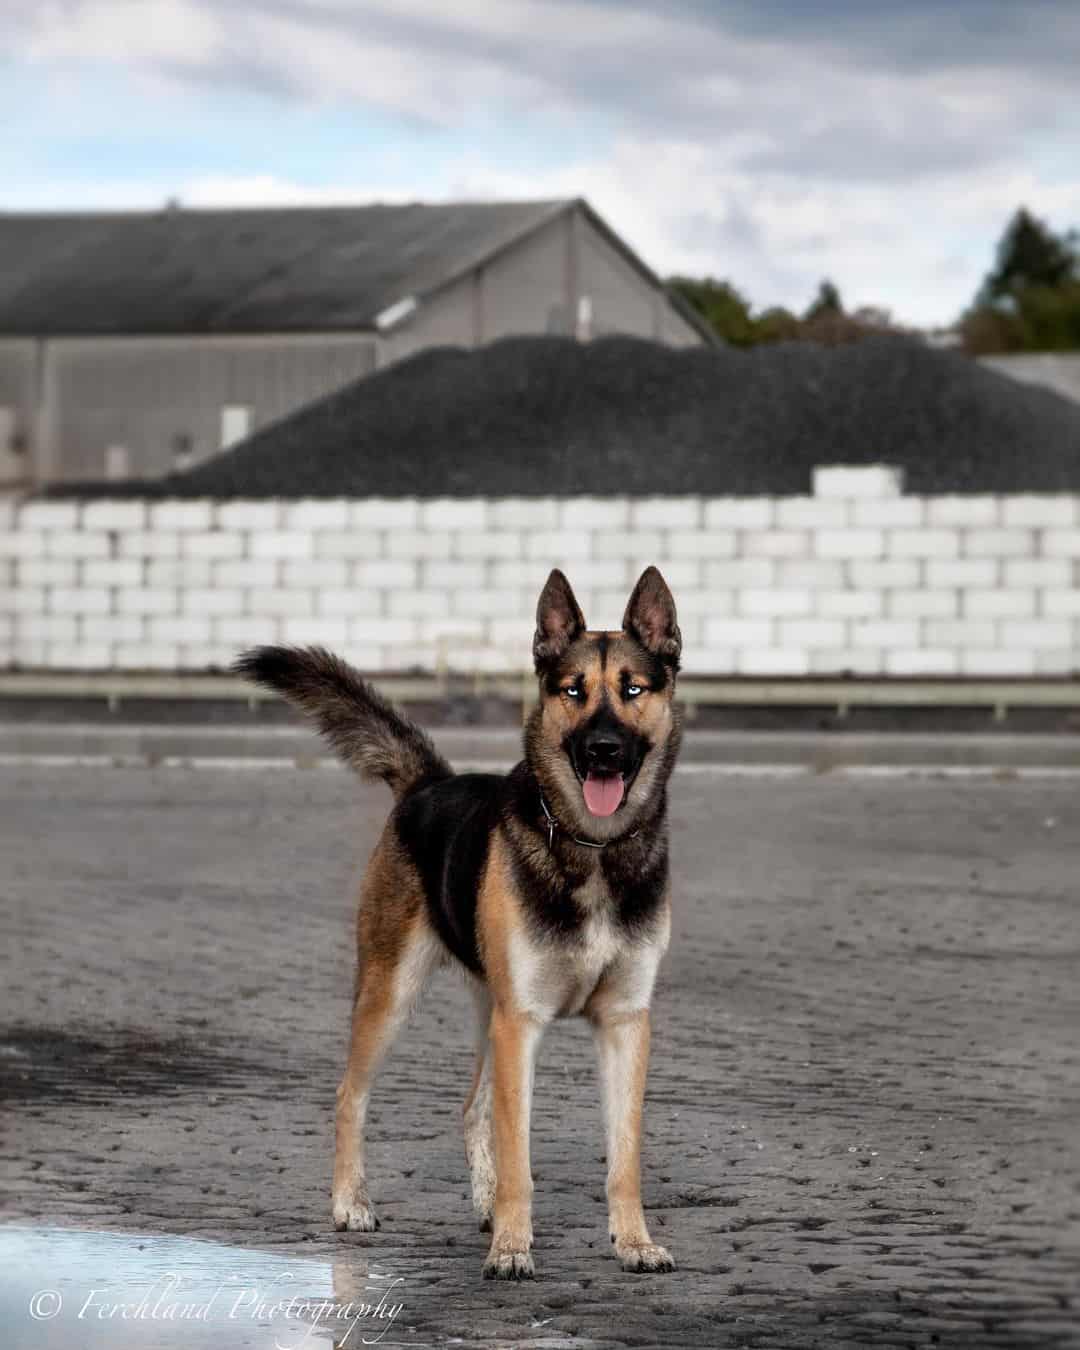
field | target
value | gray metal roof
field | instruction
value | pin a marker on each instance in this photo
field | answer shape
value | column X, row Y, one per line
column 241, row 271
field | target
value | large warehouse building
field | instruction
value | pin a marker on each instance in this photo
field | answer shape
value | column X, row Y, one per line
column 134, row 344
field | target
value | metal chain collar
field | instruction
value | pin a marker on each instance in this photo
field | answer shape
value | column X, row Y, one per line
column 554, row 825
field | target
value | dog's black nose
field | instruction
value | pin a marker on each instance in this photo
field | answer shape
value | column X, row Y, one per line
column 603, row 752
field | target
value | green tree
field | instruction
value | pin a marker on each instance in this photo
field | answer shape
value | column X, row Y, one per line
column 721, row 304
column 827, row 301
column 986, row 330
column 1049, row 317
column 1030, row 299
column 777, row 325
column 731, row 315
column 1029, row 254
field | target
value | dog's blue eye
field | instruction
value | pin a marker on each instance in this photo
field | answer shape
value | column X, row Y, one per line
column 632, row 690
column 573, row 691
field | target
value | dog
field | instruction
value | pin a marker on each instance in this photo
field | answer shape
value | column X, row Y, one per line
column 548, row 886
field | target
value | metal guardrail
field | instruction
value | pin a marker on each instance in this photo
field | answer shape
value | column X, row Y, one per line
column 840, row 695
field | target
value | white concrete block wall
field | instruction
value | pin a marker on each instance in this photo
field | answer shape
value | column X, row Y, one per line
column 856, row 578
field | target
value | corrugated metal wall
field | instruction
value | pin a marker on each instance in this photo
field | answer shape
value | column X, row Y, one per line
column 516, row 294
column 524, row 288
column 534, row 287
column 622, row 299
column 18, row 382
column 164, row 398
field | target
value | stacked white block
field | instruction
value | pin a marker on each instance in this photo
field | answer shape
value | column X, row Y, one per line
column 855, row 578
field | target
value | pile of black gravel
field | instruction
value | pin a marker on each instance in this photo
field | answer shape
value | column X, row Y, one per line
column 529, row 416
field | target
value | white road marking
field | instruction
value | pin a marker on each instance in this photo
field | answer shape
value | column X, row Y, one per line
column 255, row 763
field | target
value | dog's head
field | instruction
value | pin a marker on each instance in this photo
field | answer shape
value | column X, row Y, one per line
column 605, row 734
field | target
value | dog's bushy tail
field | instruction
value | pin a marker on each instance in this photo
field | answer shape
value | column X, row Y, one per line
column 369, row 734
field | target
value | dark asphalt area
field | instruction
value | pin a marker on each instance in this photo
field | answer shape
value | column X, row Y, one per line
column 863, row 1117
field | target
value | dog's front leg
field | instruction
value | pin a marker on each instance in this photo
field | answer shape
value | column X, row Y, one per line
column 514, row 1041
column 622, row 1042
column 479, row 1143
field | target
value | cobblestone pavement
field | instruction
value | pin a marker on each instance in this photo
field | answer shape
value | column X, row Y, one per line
column 863, row 1124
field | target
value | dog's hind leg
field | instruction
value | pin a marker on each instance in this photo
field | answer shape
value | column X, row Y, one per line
column 479, row 1142
column 391, row 978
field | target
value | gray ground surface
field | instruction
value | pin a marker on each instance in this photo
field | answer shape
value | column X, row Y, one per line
column 863, row 1124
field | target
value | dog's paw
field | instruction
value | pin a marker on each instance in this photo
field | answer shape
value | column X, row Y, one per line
column 644, row 1257
column 354, row 1214
column 509, row 1263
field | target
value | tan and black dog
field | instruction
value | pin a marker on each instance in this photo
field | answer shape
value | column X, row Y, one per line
column 548, row 885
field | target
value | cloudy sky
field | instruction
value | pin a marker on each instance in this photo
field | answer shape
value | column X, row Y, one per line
column 882, row 143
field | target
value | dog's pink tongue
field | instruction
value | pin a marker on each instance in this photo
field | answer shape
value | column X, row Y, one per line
column 603, row 793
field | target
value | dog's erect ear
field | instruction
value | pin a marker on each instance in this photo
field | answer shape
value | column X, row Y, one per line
column 559, row 620
column 650, row 617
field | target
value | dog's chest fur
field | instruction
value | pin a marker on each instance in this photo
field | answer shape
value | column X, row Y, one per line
column 557, row 976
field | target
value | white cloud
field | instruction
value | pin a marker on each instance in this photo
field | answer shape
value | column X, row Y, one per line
column 267, row 190
column 126, row 32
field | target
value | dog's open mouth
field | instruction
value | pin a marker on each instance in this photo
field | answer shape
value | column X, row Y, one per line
column 603, row 792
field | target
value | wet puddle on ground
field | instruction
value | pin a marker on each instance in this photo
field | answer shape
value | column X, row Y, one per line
column 66, row 1289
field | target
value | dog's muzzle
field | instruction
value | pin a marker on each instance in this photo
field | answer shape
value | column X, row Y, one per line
column 606, row 756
